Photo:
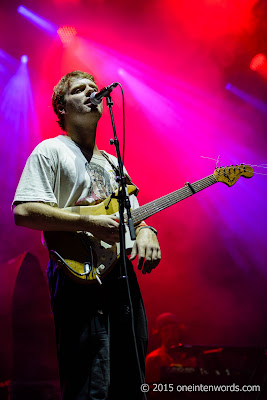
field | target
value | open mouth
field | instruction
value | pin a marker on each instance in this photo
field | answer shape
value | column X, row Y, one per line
column 89, row 104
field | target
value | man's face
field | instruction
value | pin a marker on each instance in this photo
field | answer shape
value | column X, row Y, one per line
column 170, row 334
column 77, row 99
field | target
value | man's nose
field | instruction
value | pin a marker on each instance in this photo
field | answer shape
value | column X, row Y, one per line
column 88, row 91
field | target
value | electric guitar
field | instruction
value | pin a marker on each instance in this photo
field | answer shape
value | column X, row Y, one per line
column 88, row 259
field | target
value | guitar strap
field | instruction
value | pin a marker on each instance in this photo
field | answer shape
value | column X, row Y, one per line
column 117, row 172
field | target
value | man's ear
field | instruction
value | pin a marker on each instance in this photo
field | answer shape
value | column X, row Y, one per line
column 61, row 109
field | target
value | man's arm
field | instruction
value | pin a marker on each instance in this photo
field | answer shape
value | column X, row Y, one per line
column 43, row 217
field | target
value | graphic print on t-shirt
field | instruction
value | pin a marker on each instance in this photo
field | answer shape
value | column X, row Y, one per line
column 103, row 183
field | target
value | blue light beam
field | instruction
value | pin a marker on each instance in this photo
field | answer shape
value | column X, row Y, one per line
column 18, row 123
column 252, row 100
column 37, row 20
column 8, row 66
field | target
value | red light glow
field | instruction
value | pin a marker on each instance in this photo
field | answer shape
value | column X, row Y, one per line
column 257, row 62
column 219, row 350
column 66, row 34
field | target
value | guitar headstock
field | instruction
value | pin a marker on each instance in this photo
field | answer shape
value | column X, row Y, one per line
column 229, row 175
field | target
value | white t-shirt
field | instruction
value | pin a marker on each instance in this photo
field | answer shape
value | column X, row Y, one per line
column 60, row 174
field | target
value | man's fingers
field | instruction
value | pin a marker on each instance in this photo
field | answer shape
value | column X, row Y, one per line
column 156, row 257
column 141, row 258
column 140, row 262
column 149, row 251
column 148, row 260
column 152, row 259
column 147, row 267
column 142, row 255
column 134, row 251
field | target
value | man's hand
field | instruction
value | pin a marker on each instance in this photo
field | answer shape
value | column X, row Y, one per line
column 147, row 246
column 105, row 227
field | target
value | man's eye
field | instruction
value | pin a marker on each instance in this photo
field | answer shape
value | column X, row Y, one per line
column 77, row 90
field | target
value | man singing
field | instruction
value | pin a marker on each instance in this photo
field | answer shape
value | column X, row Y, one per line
column 96, row 352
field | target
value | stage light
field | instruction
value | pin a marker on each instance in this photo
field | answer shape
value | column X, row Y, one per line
column 248, row 98
column 8, row 66
column 257, row 62
column 37, row 20
column 24, row 59
column 66, row 34
column 18, row 117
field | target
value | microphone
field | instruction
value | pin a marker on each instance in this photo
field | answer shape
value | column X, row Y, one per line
column 96, row 98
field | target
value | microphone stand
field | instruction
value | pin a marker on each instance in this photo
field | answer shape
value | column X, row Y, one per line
column 123, row 196
column 124, row 203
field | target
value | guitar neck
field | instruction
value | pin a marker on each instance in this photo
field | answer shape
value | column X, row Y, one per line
column 153, row 207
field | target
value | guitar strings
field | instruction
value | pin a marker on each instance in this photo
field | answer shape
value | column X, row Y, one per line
column 214, row 159
column 251, row 165
column 259, row 166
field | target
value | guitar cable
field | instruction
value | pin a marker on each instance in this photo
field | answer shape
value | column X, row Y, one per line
column 91, row 265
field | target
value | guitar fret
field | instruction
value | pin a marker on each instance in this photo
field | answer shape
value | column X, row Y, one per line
column 204, row 183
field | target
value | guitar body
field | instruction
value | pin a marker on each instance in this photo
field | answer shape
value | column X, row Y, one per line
column 83, row 257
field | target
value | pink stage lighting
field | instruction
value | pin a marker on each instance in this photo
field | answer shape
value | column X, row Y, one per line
column 258, row 62
column 66, row 34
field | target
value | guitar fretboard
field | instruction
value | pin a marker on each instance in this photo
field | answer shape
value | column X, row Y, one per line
column 153, row 207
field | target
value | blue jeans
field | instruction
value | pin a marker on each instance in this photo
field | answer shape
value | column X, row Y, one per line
column 96, row 355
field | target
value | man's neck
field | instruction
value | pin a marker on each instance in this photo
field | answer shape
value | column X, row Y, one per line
column 85, row 137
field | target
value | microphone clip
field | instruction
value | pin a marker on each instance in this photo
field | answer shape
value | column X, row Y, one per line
column 96, row 98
